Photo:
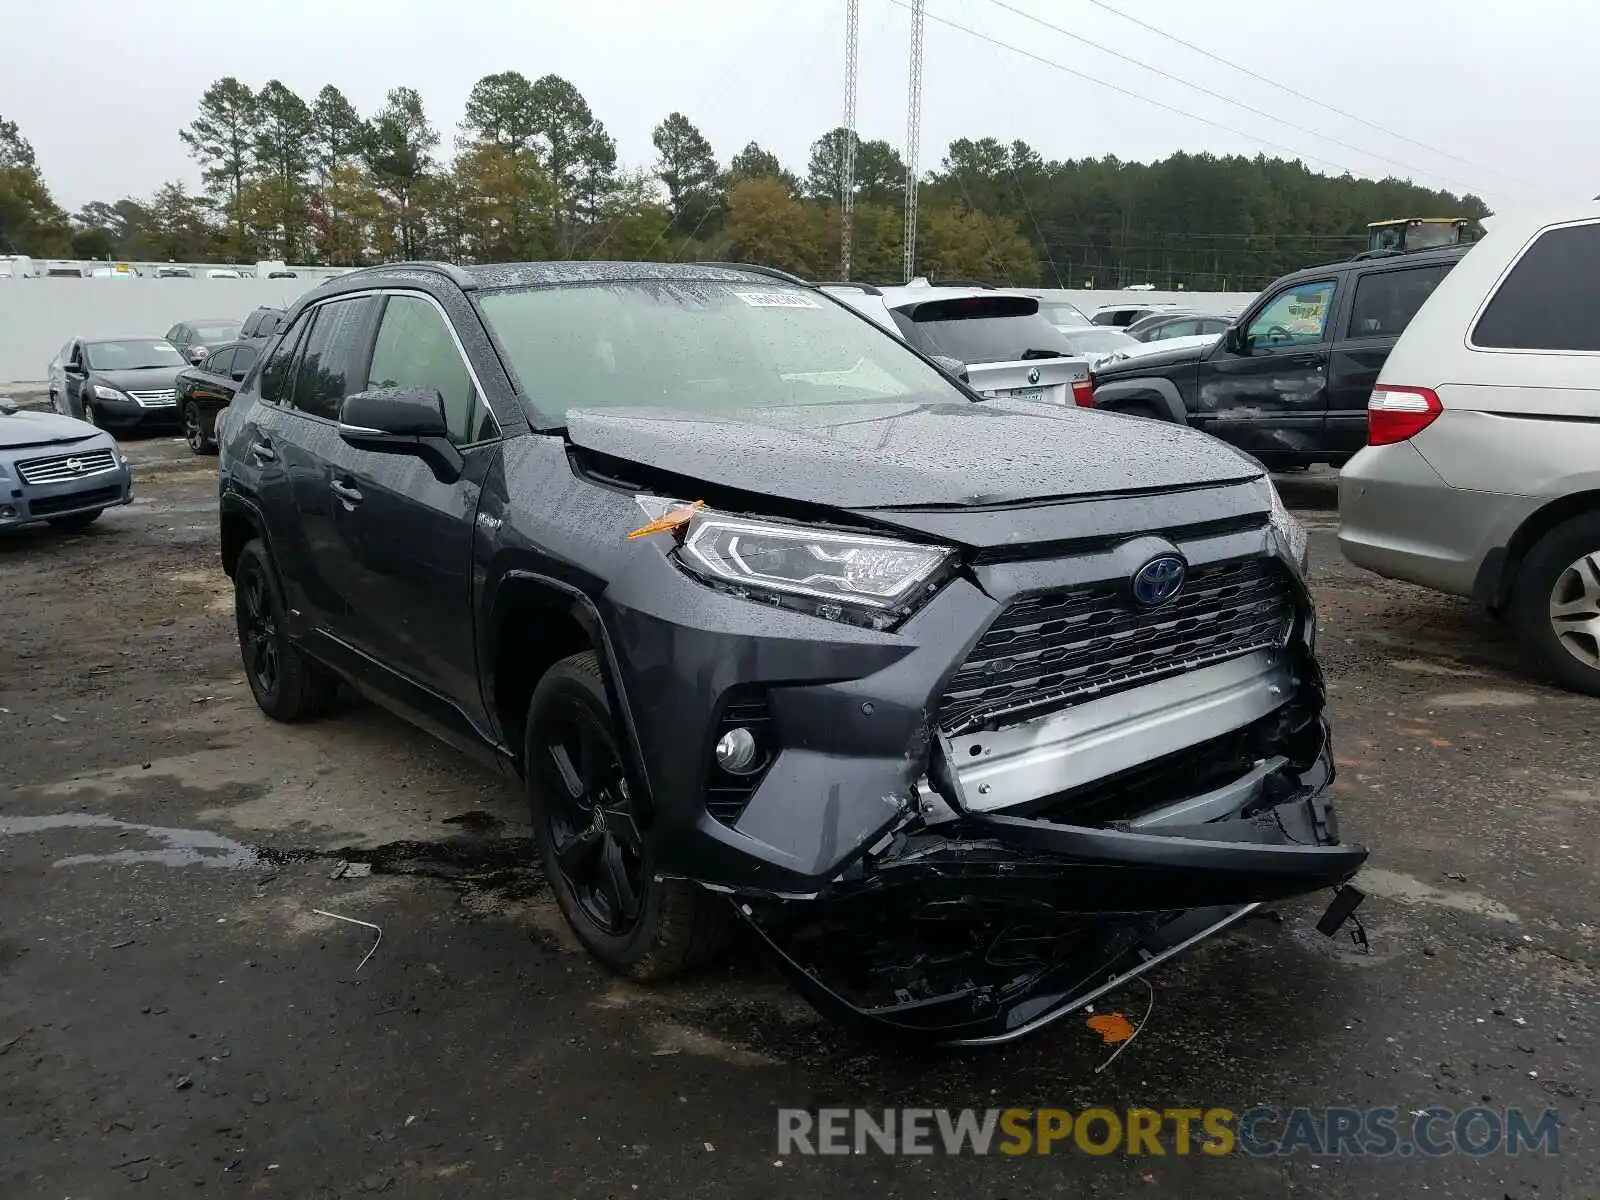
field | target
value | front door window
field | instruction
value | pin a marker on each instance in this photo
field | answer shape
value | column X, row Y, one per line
column 1296, row 316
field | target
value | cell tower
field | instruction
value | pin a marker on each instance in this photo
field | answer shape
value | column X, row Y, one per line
column 847, row 172
column 913, row 138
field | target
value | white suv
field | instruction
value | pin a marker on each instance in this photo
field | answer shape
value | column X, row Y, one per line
column 1482, row 471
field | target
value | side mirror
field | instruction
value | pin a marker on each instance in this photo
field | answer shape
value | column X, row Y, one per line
column 402, row 421
column 1234, row 340
column 195, row 359
column 73, row 368
column 239, row 373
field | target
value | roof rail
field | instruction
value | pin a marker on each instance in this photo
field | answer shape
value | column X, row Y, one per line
column 868, row 288
column 757, row 269
column 977, row 283
column 464, row 280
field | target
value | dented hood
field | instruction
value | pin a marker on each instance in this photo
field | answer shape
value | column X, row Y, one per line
column 898, row 455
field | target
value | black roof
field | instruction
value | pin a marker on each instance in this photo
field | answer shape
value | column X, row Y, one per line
column 1411, row 258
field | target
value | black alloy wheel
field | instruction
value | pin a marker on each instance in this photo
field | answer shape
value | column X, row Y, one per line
column 193, row 430
column 258, row 628
column 596, row 839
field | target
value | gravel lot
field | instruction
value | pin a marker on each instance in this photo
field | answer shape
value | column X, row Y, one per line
column 175, row 1019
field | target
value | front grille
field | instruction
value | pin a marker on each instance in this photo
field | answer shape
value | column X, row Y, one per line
column 1047, row 651
column 64, row 467
column 160, row 399
column 55, row 504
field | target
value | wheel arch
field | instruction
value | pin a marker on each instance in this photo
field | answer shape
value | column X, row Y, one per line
column 1162, row 394
column 1492, row 587
column 533, row 622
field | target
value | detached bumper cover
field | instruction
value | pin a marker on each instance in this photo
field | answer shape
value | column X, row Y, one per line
column 987, row 927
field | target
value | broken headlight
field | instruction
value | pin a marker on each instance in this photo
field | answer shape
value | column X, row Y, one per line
column 863, row 580
column 1291, row 537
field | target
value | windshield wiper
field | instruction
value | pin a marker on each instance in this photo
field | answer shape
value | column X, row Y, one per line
column 1027, row 354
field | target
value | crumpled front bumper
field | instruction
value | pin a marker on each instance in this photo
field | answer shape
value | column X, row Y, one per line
column 989, row 926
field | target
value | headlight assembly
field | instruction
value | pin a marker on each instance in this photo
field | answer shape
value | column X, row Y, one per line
column 102, row 392
column 1291, row 535
column 863, row 580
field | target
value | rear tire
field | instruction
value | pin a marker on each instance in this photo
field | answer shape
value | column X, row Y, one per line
column 287, row 683
column 587, row 826
column 1555, row 603
column 198, row 429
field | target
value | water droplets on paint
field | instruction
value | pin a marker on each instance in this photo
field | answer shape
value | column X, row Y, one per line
column 176, row 847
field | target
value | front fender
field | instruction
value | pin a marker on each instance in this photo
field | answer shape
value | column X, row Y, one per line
column 1145, row 389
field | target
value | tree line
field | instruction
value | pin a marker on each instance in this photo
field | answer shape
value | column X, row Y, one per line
column 532, row 173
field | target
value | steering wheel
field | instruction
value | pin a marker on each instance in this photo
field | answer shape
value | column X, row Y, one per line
column 1277, row 333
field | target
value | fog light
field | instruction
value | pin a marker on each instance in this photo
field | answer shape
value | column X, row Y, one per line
column 7, row 511
column 737, row 751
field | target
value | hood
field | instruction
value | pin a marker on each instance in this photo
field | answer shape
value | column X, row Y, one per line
column 900, row 455
column 153, row 379
column 1193, row 352
column 41, row 428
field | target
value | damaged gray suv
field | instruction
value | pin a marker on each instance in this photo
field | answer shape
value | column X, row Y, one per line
column 968, row 708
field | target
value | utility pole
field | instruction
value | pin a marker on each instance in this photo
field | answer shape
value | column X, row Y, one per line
column 847, row 197
column 913, row 138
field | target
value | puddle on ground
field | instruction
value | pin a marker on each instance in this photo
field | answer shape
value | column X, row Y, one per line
column 179, row 848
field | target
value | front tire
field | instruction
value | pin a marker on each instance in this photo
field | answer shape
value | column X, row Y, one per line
column 591, row 840
column 288, row 684
column 1555, row 603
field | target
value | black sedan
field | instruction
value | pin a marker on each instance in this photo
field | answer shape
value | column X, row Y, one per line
column 206, row 388
column 199, row 338
column 117, row 383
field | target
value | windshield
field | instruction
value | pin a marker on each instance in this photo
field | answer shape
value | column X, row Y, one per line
column 699, row 347
column 1060, row 313
column 1096, row 340
column 132, row 356
column 221, row 331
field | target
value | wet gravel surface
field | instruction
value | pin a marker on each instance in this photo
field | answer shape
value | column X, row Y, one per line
column 178, row 1018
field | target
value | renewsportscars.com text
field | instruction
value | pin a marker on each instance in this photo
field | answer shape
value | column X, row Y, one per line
column 1257, row 1132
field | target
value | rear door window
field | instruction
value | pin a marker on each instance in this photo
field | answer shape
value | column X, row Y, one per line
column 321, row 375
column 1386, row 301
column 1551, row 298
column 276, row 374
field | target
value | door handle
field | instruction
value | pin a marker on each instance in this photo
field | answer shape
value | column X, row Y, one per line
column 347, row 492
column 262, row 451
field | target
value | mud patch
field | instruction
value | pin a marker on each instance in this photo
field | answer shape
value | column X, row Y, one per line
column 179, row 847
column 1409, row 890
column 1484, row 698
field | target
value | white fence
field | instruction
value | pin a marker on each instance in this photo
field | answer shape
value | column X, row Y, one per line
column 38, row 316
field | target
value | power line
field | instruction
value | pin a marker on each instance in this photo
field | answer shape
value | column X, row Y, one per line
column 1120, row 90
column 1205, row 91
column 1298, row 94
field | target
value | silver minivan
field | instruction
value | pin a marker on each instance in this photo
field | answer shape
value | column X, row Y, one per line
column 1481, row 476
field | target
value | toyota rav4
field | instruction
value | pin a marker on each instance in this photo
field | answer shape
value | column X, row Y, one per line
column 969, row 708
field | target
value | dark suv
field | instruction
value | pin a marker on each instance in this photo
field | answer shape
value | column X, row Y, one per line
column 1289, row 381
column 968, row 708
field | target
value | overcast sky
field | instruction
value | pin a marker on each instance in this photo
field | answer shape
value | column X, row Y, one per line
column 101, row 87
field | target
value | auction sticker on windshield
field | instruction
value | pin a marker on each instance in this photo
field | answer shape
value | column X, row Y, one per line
column 777, row 300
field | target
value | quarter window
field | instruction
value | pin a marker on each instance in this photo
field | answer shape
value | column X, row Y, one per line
column 414, row 349
column 320, row 375
column 275, row 375
column 1551, row 299
column 1387, row 300
column 1296, row 316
